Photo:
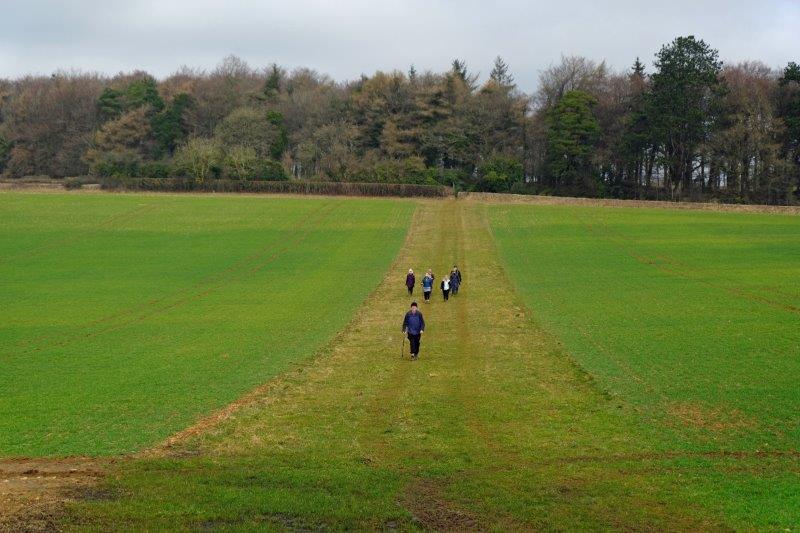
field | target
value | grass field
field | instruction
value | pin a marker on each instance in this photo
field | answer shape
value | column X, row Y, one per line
column 691, row 315
column 692, row 318
column 602, row 368
column 126, row 317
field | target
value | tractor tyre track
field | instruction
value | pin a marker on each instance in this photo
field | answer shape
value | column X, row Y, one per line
column 673, row 268
column 83, row 233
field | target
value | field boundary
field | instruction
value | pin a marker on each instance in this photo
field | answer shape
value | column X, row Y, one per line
column 491, row 198
column 186, row 185
column 502, row 198
column 330, row 188
column 46, row 188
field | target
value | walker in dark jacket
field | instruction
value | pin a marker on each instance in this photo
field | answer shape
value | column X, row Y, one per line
column 410, row 282
column 454, row 282
column 413, row 326
column 455, row 279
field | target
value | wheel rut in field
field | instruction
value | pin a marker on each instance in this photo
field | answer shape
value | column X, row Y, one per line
column 675, row 268
column 80, row 234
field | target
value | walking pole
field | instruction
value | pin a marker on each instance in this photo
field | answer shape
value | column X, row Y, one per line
column 402, row 346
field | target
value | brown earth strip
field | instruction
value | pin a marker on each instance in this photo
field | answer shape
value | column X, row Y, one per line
column 33, row 492
column 500, row 198
column 432, row 512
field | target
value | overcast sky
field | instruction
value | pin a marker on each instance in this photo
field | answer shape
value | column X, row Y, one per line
column 345, row 38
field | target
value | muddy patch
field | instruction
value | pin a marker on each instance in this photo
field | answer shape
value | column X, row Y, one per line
column 711, row 419
column 431, row 511
column 33, row 492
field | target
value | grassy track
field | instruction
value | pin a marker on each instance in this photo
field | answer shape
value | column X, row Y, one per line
column 125, row 317
column 495, row 427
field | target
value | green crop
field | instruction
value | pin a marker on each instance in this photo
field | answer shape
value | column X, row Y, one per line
column 125, row 318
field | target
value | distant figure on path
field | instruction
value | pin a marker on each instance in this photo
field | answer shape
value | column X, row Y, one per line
column 455, row 281
column 445, row 285
column 455, row 274
column 413, row 326
column 410, row 281
column 427, row 286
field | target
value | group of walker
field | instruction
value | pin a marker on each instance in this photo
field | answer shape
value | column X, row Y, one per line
column 413, row 322
column 449, row 284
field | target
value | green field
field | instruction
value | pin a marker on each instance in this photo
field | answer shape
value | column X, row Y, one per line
column 692, row 318
column 602, row 368
column 691, row 315
column 126, row 317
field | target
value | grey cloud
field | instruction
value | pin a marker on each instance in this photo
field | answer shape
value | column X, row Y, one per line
column 349, row 37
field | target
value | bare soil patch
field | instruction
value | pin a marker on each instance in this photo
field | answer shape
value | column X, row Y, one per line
column 433, row 512
column 499, row 198
column 33, row 492
column 716, row 419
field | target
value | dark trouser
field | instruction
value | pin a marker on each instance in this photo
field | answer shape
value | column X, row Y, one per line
column 411, row 290
column 446, row 294
column 414, row 340
column 427, row 295
column 454, row 288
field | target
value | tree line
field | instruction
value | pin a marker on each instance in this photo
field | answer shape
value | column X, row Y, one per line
column 686, row 126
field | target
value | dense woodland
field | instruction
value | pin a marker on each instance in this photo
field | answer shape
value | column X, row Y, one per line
column 684, row 126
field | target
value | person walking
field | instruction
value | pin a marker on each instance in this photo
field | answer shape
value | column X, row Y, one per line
column 427, row 286
column 459, row 280
column 410, row 281
column 445, row 285
column 454, row 281
column 413, row 326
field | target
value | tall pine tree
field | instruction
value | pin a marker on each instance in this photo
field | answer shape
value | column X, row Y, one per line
column 686, row 90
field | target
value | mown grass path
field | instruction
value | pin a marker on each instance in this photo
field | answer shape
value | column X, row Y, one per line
column 493, row 428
